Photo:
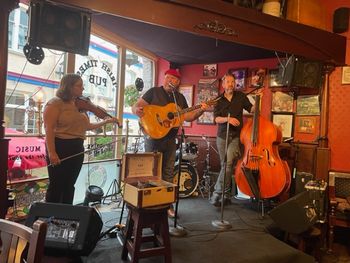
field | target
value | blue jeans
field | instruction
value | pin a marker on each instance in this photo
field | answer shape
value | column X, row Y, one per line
column 233, row 154
column 168, row 150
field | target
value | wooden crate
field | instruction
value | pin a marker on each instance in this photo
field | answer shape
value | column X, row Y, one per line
column 143, row 186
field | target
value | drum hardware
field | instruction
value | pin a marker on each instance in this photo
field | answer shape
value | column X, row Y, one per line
column 209, row 178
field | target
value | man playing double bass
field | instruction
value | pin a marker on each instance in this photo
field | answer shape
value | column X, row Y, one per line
column 232, row 102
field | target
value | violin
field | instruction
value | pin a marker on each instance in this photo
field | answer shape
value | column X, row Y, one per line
column 85, row 104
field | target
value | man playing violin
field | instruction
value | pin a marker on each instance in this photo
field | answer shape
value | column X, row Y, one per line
column 161, row 96
column 65, row 128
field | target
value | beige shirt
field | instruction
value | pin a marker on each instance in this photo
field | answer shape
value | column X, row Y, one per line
column 71, row 123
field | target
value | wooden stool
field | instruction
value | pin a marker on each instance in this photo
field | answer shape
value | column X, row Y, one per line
column 139, row 218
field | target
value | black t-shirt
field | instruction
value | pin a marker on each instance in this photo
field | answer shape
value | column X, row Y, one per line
column 159, row 96
column 235, row 108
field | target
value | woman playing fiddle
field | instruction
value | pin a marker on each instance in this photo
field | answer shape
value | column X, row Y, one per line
column 65, row 128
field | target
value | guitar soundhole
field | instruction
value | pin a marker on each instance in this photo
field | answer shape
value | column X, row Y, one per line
column 171, row 115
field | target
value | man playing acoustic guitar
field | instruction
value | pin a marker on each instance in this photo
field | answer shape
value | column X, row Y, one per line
column 169, row 123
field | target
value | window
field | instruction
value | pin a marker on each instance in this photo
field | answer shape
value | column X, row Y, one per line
column 20, row 113
column 18, row 27
column 11, row 28
column 23, row 28
column 99, row 71
column 136, row 66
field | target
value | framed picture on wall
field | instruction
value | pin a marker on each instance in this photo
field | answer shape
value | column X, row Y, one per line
column 284, row 122
column 306, row 124
column 308, row 105
column 275, row 78
column 345, row 77
column 240, row 76
column 282, row 101
column 210, row 70
column 206, row 118
column 256, row 77
column 187, row 91
column 207, row 89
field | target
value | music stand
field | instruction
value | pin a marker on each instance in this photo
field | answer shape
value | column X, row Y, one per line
column 223, row 224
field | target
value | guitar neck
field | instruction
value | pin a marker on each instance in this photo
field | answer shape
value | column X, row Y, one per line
column 188, row 109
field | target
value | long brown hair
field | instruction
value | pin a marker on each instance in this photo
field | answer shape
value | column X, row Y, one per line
column 67, row 83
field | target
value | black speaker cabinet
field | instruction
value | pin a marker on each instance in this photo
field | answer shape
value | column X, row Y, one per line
column 299, row 72
column 341, row 20
column 296, row 215
column 59, row 27
column 301, row 179
column 72, row 230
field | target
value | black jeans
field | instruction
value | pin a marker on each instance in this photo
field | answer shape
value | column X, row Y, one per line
column 63, row 177
column 168, row 149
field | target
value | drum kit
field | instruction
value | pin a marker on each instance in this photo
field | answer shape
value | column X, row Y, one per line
column 189, row 178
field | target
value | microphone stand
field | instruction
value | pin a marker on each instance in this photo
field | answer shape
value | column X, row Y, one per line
column 223, row 224
column 177, row 230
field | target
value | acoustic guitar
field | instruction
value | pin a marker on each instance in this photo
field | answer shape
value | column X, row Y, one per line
column 157, row 121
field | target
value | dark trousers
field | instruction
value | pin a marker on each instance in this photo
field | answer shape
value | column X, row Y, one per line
column 168, row 149
column 63, row 177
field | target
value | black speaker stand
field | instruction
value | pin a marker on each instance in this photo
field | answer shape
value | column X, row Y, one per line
column 115, row 191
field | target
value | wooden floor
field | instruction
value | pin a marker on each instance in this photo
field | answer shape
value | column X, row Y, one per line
column 249, row 240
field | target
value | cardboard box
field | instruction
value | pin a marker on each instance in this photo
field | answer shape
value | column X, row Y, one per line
column 143, row 186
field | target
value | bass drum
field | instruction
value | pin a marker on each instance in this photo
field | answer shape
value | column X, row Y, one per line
column 188, row 180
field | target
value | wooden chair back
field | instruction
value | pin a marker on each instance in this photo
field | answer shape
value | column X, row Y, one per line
column 18, row 242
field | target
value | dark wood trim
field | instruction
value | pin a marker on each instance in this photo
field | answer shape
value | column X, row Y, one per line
column 228, row 22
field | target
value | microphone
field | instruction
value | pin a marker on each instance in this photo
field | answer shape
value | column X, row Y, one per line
column 171, row 85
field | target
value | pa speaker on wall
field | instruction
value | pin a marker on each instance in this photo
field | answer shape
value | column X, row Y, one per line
column 300, row 72
column 296, row 215
column 71, row 230
column 59, row 27
column 341, row 20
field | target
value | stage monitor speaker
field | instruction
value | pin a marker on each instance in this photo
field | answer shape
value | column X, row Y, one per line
column 301, row 179
column 59, row 27
column 71, row 230
column 299, row 72
column 296, row 215
column 341, row 20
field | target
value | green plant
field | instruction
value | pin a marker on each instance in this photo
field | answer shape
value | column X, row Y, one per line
column 131, row 95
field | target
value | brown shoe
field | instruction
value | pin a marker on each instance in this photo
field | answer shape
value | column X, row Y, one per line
column 171, row 212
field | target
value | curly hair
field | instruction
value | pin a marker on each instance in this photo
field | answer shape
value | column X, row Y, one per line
column 67, row 83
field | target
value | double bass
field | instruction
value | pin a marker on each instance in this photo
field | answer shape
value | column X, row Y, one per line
column 261, row 173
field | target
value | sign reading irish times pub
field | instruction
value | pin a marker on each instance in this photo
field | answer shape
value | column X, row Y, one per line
column 95, row 74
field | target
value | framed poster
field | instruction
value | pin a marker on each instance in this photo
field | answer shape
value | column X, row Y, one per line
column 345, row 77
column 282, row 101
column 285, row 123
column 240, row 76
column 308, row 105
column 207, row 89
column 206, row 118
column 187, row 91
column 256, row 77
column 306, row 124
column 210, row 70
column 275, row 78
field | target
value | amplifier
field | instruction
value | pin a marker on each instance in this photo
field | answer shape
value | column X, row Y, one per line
column 71, row 230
